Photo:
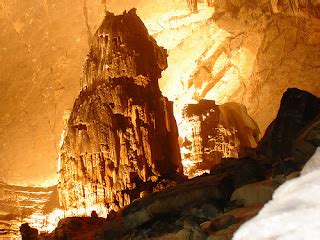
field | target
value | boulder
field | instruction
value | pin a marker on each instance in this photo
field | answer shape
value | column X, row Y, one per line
column 224, row 234
column 284, row 168
column 307, row 141
column 255, row 193
column 298, row 109
column 313, row 164
column 76, row 228
column 232, row 221
column 163, row 204
column 239, row 172
column 184, row 234
column 218, row 223
column 28, row 233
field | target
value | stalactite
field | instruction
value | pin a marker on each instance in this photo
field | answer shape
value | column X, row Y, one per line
column 193, row 5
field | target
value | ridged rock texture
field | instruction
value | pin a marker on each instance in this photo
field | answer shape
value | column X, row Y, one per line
column 121, row 137
column 247, row 52
column 293, row 135
column 210, row 206
column 211, row 132
column 24, row 204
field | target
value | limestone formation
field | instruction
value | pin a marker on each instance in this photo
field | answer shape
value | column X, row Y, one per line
column 211, row 132
column 75, row 228
column 213, row 206
column 246, row 53
column 24, row 205
column 121, row 137
column 293, row 129
column 193, row 5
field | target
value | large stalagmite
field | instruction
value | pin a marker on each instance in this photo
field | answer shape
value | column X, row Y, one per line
column 121, row 137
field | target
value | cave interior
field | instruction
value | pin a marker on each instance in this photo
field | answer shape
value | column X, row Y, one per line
column 139, row 119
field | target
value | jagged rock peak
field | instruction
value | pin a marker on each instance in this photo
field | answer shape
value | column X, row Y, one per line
column 122, row 138
column 122, row 47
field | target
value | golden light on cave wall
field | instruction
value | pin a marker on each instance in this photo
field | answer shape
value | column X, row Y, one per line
column 200, row 67
column 48, row 222
column 201, row 64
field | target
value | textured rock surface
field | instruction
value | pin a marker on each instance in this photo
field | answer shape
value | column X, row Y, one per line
column 24, row 205
column 295, row 121
column 75, row 228
column 255, row 193
column 121, row 137
column 238, row 216
column 294, row 204
column 203, row 207
column 42, row 62
column 270, row 45
column 249, row 54
column 28, row 233
column 43, row 44
column 167, row 206
column 122, row 47
column 179, row 212
column 211, row 132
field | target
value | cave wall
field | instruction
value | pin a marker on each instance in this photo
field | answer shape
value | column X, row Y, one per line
column 243, row 51
column 43, row 44
column 42, row 47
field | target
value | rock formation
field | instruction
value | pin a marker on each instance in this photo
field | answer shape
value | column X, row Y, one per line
column 24, row 204
column 244, row 52
column 228, row 186
column 193, row 5
column 288, row 134
column 28, row 233
column 248, row 52
column 121, row 137
column 211, row 132
column 210, row 206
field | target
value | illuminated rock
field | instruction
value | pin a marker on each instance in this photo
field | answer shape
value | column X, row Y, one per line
column 193, row 5
column 29, row 205
column 122, row 47
column 263, row 49
column 121, row 136
column 213, row 204
column 242, row 52
column 211, row 132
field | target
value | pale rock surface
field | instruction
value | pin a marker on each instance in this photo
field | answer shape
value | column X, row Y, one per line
column 293, row 211
column 313, row 164
column 255, row 193
column 211, row 132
